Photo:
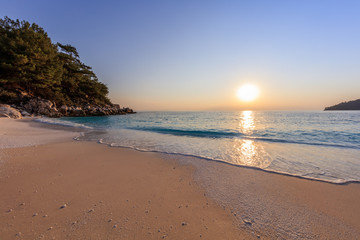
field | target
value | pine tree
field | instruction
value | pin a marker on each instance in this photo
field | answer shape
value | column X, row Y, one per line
column 30, row 62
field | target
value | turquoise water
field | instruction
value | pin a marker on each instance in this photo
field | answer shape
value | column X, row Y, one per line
column 317, row 145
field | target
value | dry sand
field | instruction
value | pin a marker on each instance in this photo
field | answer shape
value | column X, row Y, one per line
column 21, row 133
column 116, row 193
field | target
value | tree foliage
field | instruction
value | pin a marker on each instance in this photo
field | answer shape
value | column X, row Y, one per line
column 30, row 62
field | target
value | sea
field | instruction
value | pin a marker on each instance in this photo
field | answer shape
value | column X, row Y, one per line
column 318, row 145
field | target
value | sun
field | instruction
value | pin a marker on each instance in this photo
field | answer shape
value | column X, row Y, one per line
column 247, row 93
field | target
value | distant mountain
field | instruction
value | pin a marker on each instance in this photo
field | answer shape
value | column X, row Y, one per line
column 351, row 105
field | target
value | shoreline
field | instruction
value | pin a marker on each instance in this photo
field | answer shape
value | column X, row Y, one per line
column 260, row 203
column 179, row 155
column 47, row 123
column 234, row 165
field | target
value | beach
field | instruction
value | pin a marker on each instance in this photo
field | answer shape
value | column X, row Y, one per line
column 54, row 187
column 106, row 193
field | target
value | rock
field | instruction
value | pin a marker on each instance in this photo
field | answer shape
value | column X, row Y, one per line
column 63, row 110
column 183, row 224
column 247, row 222
column 30, row 105
column 128, row 110
column 115, row 226
column 77, row 112
column 25, row 114
column 63, row 206
column 41, row 106
column 9, row 112
column 35, row 214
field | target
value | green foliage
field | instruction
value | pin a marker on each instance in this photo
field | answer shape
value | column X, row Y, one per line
column 6, row 96
column 30, row 62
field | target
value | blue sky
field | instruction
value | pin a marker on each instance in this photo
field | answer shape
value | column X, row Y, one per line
column 193, row 55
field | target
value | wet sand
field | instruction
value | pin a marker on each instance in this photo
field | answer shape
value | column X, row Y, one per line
column 277, row 206
column 116, row 193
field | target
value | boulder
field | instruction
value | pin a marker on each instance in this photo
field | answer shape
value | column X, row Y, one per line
column 128, row 110
column 42, row 107
column 9, row 112
column 77, row 112
column 64, row 110
column 25, row 114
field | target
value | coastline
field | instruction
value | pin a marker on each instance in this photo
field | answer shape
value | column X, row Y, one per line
column 94, row 180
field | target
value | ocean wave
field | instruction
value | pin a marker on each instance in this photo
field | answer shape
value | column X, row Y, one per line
column 62, row 123
column 275, row 140
column 190, row 133
column 229, row 134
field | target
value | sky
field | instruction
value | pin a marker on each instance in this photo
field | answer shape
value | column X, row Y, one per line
column 194, row 55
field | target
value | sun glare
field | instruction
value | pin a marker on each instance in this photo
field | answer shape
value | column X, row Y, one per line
column 247, row 93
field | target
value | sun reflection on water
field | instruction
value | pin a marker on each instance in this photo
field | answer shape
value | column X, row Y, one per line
column 246, row 123
column 249, row 152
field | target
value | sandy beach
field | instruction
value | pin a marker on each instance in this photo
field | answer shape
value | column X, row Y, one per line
column 106, row 193
column 56, row 188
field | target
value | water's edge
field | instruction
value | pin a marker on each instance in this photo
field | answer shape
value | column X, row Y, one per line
column 85, row 129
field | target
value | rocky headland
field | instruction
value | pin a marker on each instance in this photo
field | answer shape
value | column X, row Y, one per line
column 41, row 107
column 351, row 105
column 32, row 106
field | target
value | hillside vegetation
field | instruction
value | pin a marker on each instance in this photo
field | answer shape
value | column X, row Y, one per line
column 31, row 64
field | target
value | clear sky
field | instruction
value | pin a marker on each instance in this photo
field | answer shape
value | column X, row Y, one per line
column 194, row 55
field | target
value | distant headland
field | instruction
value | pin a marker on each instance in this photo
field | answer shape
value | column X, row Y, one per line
column 351, row 105
column 39, row 77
